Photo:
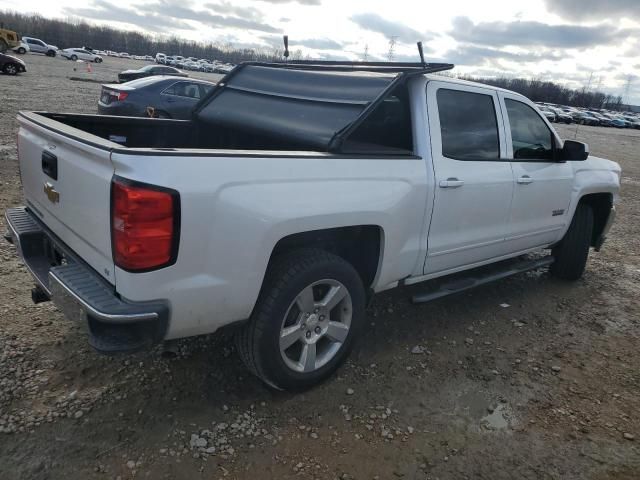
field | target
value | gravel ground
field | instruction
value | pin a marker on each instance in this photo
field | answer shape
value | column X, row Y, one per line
column 528, row 378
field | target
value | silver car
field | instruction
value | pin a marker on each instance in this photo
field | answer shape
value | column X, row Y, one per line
column 38, row 46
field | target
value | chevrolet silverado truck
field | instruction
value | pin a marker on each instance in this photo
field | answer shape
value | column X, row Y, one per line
column 295, row 193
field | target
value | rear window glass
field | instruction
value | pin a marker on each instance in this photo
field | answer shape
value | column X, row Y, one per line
column 387, row 129
column 468, row 125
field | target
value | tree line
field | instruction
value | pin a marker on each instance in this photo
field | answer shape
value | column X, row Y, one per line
column 551, row 92
column 76, row 33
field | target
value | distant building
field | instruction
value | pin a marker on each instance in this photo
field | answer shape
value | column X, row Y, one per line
column 630, row 108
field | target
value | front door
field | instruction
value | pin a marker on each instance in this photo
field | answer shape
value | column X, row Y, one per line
column 540, row 210
column 473, row 179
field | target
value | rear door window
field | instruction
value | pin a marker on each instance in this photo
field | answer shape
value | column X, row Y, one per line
column 184, row 89
column 469, row 125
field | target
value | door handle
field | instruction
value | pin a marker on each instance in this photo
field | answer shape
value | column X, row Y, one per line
column 525, row 180
column 451, row 183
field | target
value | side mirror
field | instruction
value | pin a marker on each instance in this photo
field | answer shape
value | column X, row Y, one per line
column 574, row 151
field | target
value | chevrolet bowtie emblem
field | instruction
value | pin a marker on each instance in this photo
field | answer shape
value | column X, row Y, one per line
column 51, row 193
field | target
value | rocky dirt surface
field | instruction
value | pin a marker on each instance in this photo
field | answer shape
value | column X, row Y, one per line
column 528, row 378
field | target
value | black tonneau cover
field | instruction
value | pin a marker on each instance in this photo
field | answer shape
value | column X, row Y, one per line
column 312, row 104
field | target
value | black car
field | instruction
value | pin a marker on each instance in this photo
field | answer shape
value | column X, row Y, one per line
column 160, row 97
column 11, row 65
column 148, row 71
column 562, row 116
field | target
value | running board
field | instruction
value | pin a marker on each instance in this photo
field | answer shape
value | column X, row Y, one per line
column 466, row 283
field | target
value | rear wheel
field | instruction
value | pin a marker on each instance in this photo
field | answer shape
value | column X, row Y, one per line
column 573, row 250
column 310, row 310
column 10, row 69
column 22, row 51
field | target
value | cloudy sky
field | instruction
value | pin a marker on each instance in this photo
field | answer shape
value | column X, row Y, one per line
column 571, row 41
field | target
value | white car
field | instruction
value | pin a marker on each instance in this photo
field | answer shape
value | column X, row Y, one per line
column 38, row 46
column 124, row 55
column 22, row 48
column 161, row 58
column 80, row 54
column 286, row 223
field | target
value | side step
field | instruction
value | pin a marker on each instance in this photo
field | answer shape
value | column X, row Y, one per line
column 468, row 282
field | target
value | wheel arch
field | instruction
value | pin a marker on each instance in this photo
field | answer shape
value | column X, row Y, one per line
column 360, row 245
column 601, row 204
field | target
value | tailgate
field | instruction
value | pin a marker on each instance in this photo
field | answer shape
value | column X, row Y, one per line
column 67, row 184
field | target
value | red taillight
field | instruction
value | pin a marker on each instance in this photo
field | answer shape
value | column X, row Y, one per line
column 144, row 225
column 115, row 95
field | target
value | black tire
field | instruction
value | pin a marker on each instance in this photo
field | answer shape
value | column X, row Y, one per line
column 573, row 250
column 258, row 341
column 74, row 58
column 10, row 69
column 97, row 60
column 22, row 51
column 51, row 53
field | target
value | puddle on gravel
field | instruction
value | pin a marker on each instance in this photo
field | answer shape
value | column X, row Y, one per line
column 499, row 419
column 480, row 412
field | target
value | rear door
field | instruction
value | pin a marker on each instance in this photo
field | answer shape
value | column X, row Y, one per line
column 67, row 184
column 181, row 98
column 474, row 182
column 542, row 185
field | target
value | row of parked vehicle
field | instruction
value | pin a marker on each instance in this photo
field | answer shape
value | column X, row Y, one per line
column 193, row 63
column 601, row 118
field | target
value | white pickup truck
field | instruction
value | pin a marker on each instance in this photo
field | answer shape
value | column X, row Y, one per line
column 295, row 193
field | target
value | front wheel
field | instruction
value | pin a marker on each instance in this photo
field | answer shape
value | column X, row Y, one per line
column 22, row 51
column 74, row 57
column 309, row 312
column 573, row 250
column 10, row 69
column 51, row 53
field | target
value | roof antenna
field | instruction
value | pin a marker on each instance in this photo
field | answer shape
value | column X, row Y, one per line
column 421, row 52
column 286, row 48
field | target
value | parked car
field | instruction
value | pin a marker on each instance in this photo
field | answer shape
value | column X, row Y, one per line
column 38, row 46
column 22, row 48
column 619, row 123
column 562, row 116
column 10, row 65
column 80, row 54
column 157, row 96
column 548, row 113
column 123, row 55
column 257, row 213
column 584, row 118
column 148, row 71
column 160, row 58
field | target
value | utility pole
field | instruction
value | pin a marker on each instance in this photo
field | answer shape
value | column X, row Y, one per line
column 365, row 55
column 392, row 45
column 627, row 90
